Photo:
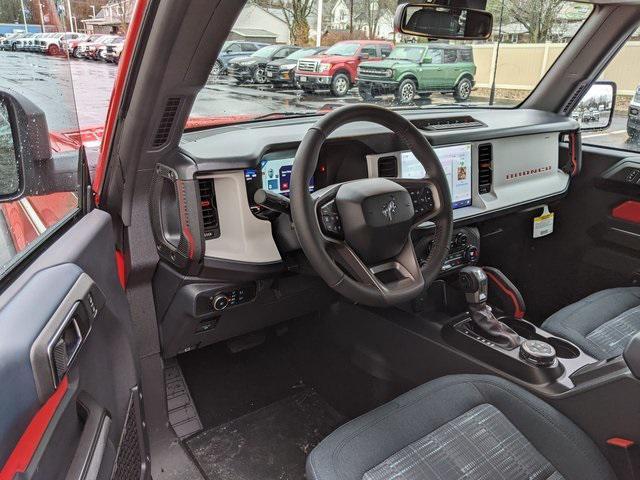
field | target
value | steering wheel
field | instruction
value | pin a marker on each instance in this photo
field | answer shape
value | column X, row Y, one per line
column 357, row 234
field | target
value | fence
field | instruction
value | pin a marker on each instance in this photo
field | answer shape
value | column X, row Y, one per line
column 521, row 66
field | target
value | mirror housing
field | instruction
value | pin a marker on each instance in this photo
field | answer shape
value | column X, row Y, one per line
column 595, row 109
column 28, row 165
column 364, row 56
column 443, row 22
column 24, row 143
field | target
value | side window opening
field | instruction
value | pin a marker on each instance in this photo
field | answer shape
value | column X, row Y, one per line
column 450, row 55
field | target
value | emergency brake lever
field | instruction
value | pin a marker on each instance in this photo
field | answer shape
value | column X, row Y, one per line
column 272, row 201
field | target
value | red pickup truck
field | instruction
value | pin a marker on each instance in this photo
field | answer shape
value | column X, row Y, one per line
column 337, row 67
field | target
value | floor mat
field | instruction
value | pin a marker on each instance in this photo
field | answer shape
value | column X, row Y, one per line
column 226, row 385
column 270, row 443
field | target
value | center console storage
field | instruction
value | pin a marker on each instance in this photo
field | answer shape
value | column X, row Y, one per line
column 519, row 362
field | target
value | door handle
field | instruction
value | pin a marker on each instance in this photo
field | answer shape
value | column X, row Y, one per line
column 93, row 440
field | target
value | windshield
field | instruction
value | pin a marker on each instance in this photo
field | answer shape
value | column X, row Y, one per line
column 305, row 52
column 366, row 61
column 413, row 54
column 343, row 49
column 265, row 51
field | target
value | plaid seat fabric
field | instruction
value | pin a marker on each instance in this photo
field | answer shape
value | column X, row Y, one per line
column 480, row 444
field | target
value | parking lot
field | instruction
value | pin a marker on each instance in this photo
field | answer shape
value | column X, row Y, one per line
column 61, row 87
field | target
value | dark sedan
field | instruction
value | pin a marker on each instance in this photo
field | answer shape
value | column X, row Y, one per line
column 281, row 71
column 252, row 68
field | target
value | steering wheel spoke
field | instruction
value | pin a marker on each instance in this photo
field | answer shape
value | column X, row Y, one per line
column 425, row 196
column 327, row 213
column 394, row 274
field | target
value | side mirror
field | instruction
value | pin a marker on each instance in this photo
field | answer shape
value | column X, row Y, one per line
column 595, row 109
column 436, row 21
column 364, row 56
column 426, row 60
column 24, row 146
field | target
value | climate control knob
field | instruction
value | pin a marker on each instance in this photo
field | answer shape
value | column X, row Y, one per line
column 220, row 302
column 538, row 353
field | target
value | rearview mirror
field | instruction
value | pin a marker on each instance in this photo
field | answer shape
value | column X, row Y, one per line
column 595, row 109
column 436, row 21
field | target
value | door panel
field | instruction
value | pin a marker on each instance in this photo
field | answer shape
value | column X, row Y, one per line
column 68, row 308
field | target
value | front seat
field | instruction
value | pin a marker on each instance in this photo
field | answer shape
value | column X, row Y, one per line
column 469, row 427
column 601, row 324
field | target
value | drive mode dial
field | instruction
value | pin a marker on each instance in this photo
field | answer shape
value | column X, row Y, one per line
column 538, row 353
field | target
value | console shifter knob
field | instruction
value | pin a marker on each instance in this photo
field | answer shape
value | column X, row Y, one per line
column 474, row 284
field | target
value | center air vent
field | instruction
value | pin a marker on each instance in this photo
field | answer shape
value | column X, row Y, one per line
column 209, row 209
column 166, row 122
column 485, row 167
column 448, row 123
column 388, row 167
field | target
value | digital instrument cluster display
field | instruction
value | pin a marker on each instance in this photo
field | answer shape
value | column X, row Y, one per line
column 456, row 162
column 273, row 174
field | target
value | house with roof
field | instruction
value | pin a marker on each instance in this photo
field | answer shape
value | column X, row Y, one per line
column 258, row 24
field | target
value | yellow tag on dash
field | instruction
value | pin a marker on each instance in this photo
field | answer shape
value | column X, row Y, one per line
column 543, row 225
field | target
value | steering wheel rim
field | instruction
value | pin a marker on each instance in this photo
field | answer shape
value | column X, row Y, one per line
column 336, row 260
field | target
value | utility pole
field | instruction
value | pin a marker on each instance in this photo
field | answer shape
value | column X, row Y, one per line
column 93, row 11
column 41, row 15
column 319, row 25
column 24, row 17
column 69, row 15
column 492, row 94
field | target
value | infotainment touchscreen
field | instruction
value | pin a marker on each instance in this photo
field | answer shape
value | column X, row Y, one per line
column 456, row 162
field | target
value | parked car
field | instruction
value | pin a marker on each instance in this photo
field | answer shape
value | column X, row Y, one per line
column 253, row 67
column 231, row 50
column 53, row 43
column 113, row 50
column 69, row 44
column 282, row 71
column 89, row 50
column 24, row 43
column 77, row 47
column 9, row 42
column 420, row 69
column 336, row 68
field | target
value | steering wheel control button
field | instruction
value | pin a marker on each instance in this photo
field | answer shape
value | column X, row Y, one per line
column 422, row 199
column 538, row 353
column 330, row 219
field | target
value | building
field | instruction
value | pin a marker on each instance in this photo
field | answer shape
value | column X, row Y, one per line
column 8, row 28
column 260, row 25
column 339, row 19
column 113, row 17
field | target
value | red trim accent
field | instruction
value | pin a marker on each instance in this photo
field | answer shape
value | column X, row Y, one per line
column 122, row 270
column 628, row 211
column 23, row 452
column 621, row 442
column 574, row 159
column 116, row 96
column 518, row 313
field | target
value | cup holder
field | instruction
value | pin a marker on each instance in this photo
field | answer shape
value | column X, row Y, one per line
column 563, row 348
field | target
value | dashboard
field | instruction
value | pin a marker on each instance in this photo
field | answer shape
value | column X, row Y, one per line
column 223, row 253
column 495, row 160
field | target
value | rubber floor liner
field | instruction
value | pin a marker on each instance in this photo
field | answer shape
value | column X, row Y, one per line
column 270, row 443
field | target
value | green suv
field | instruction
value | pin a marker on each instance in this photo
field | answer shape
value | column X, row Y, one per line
column 420, row 69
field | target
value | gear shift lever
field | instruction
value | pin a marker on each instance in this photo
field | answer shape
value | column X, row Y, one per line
column 475, row 284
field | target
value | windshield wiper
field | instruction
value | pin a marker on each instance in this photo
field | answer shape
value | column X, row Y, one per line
column 284, row 114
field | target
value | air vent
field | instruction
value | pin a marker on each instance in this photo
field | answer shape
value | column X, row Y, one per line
column 388, row 167
column 209, row 209
column 166, row 122
column 448, row 123
column 485, row 167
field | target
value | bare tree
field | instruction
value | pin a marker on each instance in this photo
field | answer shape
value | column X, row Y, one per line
column 373, row 10
column 537, row 16
column 296, row 13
